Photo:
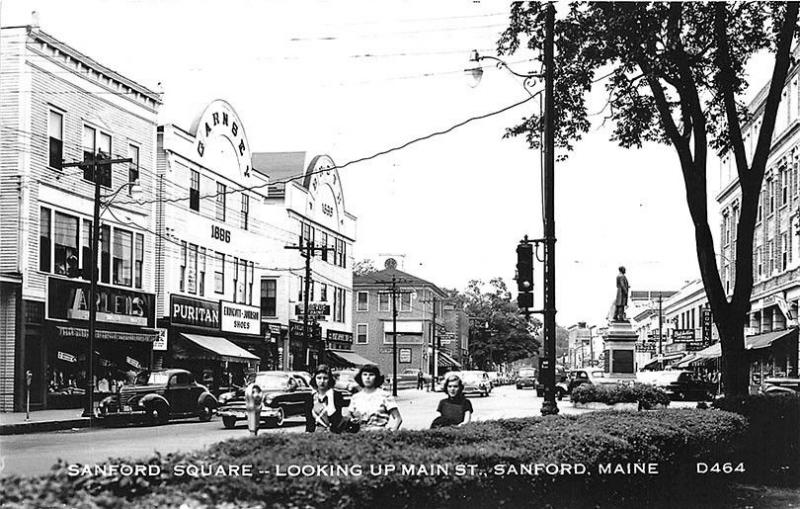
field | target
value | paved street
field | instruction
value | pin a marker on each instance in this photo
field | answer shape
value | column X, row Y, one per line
column 35, row 453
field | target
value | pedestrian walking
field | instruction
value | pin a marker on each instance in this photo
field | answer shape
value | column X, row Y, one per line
column 324, row 408
column 455, row 409
column 373, row 408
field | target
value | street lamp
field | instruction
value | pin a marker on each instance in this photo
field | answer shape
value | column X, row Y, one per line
column 97, row 163
column 548, row 194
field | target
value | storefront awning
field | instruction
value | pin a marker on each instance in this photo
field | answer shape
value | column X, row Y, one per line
column 686, row 361
column 346, row 359
column 446, row 361
column 220, row 348
column 660, row 359
column 765, row 340
column 78, row 332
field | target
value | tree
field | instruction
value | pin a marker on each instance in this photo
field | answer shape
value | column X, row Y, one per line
column 675, row 73
column 364, row 267
column 498, row 333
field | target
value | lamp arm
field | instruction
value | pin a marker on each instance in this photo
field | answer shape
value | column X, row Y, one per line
column 501, row 63
column 109, row 198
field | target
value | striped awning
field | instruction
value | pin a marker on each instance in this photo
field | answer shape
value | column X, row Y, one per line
column 446, row 361
column 216, row 348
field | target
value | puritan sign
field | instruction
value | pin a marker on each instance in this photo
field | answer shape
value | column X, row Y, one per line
column 197, row 312
column 240, row 318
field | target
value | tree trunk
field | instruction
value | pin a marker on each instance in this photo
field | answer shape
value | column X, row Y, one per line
column 735, row 368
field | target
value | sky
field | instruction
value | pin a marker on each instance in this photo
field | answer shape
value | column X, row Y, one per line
column 354, row 78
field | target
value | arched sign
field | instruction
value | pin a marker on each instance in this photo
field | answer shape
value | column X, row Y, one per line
column 218, row 133
column 322, row 181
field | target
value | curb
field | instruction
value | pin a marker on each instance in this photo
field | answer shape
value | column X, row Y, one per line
column 40, row 426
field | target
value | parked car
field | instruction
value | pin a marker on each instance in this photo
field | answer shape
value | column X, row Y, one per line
column 680, row 385
column 562, row 384
column 475, row 382
column 526, row 377
column 781, row 385
column 285, row 394
column 164, row 394
column 578, row 377
column 346, row 381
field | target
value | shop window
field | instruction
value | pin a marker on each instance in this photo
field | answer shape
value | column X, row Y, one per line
column 191, row 269
column 384, row 302
column 361, row 334
column 133, row 166
column 219, row 273
column 182, row 283
column 194, row 190
column 45, row 233
column 269, row 300
column 245, row 211
column 105, row 254
column 65, row 239
column 201, row 274
column 221, row 198
column 363, row 301
column 55, row 131
column 123, row 257
column 138, row 260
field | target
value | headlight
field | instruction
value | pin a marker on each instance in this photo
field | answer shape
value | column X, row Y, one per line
column 268, row 400
column 223, row 398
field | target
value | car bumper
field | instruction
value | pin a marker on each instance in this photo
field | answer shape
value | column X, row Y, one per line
column 241, row 413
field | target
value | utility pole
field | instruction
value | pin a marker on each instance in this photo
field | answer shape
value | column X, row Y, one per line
column 97, row 161
column 308, row 251
column 394, row 282
column 660, row 325
column 549, row 406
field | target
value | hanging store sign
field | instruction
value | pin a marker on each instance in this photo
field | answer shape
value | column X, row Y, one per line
column 705, row 320
column 404, row 355
column 196, row 312
column 240, row 318
column 316, row 310
column 296, row 331
column 133, row 362
column 68, row 299
column 683, row 335
column 66, row 357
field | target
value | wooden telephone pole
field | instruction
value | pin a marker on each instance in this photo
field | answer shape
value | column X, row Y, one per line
column 308, row 251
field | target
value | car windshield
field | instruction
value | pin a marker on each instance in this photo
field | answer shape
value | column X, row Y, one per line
column 527, row 372
column 159, row 377
column 271, row 382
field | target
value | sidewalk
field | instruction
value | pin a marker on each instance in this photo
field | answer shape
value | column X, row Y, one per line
column 14, row 423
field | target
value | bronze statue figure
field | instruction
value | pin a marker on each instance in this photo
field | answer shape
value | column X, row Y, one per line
column 622, row 296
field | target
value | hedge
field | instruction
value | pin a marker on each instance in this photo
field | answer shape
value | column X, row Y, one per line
column 648, row 396
column 673, row 439
column 772, row 442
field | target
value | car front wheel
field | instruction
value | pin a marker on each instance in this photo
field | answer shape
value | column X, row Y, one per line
column 276, row 422
column 158, row 413
column 206, row 412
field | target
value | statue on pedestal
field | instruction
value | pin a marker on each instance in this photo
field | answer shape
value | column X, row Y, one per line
column 622, row 296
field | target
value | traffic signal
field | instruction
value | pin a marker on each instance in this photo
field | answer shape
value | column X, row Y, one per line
column 525, row 275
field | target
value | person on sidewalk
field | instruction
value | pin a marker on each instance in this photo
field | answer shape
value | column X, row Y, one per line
column 372, row 408
column 324, row 409
column 420, row 380
column 455, row 409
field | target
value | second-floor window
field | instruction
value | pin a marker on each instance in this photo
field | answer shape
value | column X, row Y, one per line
column 123, row 257
column 55, row 132
column 182, row 283
column 194, row 190
column 245, row 211
column 138, row 260
column 221, row 194
column 361, row 334
column 219, row 273
column 133, row 166
column 269, row 301
column 201, row 272
column 363, row 301
column 45, row 237
column 405, row 302
column 65, row 241
column 384, row 302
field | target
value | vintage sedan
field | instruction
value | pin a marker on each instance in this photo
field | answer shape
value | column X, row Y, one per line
column 285, row 394
column 475, row 382
column 165, row 394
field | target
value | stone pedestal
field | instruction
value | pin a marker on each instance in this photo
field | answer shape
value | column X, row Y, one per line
column 619, row 347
